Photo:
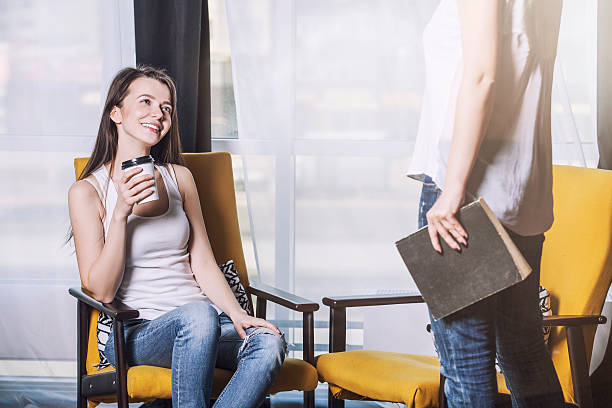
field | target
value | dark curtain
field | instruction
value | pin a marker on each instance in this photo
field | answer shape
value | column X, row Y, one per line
column 604, row 84
column 174, row 35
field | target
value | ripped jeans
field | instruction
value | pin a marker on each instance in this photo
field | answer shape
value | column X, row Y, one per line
column 192, row 340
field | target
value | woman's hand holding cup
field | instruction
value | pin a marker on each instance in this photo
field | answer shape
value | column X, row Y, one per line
column 132, row 188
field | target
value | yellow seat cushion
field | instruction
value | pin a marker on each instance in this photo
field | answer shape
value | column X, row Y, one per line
column 378, row 375
column 295, row 374
column 149, row 382
column 411, row 379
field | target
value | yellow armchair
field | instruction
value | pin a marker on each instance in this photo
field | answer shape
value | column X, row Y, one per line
column 214, row 179
column 576, row 270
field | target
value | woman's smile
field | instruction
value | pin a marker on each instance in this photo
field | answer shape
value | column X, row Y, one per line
column 152, row 127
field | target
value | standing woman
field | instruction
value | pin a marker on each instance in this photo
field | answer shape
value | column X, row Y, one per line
column 485, row 132
column 156, row 257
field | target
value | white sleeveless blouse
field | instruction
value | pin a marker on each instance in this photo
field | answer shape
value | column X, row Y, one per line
column 513, row 169
column 157, row 277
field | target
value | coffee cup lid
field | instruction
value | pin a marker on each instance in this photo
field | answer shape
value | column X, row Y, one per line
column 135, row 162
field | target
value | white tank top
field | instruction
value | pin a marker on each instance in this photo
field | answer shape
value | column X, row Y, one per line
column 157, row 277
column 513, row 169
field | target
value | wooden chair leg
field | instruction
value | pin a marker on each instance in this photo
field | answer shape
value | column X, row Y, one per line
column 337, row 343
column 580, row 367
column 309, row 399
column 121, row 373
column 81, row 401
column 82, row 337
column 308, row 342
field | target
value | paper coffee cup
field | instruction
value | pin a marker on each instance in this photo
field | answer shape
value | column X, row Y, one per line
column 146, row 163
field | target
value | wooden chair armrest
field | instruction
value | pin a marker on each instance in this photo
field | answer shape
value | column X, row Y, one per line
column 372, row 300
column 337, row 312
column 108, row 308
column 573, row 320
column 566, row 321
column 282, row 298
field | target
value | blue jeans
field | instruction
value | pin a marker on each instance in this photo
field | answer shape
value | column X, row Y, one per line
column 192, row 340
column 507, row 325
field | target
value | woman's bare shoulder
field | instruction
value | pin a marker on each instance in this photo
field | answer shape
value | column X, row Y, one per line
column 82, row 189
column 182, row 172
column 83, row 194
column 184, row 178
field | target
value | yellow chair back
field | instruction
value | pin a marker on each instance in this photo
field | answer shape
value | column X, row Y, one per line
column 577, row 256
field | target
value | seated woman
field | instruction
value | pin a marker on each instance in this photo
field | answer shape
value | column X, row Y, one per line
column 156, row 257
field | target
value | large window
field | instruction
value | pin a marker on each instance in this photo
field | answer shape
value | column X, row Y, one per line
column 328, row 97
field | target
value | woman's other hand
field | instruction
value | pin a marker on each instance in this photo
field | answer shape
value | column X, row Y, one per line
column 132, row 188
column 243, row 321
column 441, row 220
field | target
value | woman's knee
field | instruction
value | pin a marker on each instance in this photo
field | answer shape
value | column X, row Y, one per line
column 269, row 346
column 199, row 318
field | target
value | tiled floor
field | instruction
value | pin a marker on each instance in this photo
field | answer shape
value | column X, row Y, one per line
column 37, row 392
column 295, row 400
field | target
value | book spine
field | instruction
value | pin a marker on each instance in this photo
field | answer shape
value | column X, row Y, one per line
column 523, row 267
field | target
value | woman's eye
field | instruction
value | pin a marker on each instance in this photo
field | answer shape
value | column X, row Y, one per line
column 147, row 101
column 167, row 109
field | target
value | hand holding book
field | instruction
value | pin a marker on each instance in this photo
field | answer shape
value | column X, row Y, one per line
column 441, row 220
column 450, row 280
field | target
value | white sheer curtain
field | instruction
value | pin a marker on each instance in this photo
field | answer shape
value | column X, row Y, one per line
column 574, row 107
column 328, row 97
column 56, row 60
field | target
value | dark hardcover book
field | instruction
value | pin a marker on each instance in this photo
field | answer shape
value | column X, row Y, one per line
column 454, row 280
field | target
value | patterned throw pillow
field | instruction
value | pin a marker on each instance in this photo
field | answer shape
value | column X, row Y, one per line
column 231, row 275
column 546, row 311
column 105, row 323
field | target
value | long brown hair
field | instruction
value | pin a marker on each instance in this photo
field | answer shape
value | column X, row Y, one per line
column 168, row 150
